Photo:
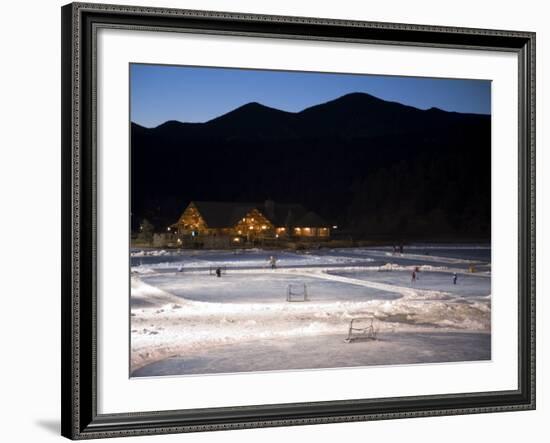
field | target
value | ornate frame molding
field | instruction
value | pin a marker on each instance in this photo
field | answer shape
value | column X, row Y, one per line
column 80, row 22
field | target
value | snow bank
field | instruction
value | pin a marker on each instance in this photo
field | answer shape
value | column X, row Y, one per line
column 169, row 325
column 150, row 253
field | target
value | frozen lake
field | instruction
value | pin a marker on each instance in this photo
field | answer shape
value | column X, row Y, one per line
column 459, row 256
column 267, row 287
column 466, row 285
column 186, row 320
column 328, row 352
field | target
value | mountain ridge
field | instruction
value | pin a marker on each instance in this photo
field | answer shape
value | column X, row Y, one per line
column 355, row 160
column 258, row 105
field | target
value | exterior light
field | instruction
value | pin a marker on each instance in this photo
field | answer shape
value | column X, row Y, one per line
column 276, row 235
column 236, row 239
column 251, row 227
column 264, row 227
column 168, row 229
column 239, row 232
column 335, row 227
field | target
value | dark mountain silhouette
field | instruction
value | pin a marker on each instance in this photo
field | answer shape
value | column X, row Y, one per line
column 374, row 167
column 253, row 120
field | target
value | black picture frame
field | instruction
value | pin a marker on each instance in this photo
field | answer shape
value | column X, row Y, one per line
column 79, row 170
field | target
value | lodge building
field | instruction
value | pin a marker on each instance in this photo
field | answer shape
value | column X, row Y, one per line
column 249, row 221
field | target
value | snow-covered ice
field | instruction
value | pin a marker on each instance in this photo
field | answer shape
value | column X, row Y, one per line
column 285, row 354
column 192, row 316
column 467, row 285
column 260, row 287
column 251, row 258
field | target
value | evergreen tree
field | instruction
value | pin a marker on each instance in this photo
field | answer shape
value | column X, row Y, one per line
column 146, row 230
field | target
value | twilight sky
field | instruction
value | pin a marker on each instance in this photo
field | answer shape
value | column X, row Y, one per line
column 190, row 94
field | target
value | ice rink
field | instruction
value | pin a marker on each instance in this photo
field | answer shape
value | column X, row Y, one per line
column 186, row 320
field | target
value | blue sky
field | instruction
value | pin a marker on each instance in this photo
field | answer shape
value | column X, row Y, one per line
column 197, row 94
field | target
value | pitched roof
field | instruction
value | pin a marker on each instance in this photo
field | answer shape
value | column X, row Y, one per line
column 227, row 214
column 312, row 220
column 284, row 214
column 222, row 214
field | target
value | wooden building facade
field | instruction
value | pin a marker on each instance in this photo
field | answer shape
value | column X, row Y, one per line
column 249, row 221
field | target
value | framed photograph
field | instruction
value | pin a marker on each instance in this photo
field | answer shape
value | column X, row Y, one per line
column 273, row 221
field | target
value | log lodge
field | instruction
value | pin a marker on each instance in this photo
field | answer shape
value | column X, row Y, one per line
column 249, row 221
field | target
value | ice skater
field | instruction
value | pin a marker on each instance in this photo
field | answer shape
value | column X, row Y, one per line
column 218, row 272
column 454, row 278
column 273, row 262
column 180, row 268
column 413, row 276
